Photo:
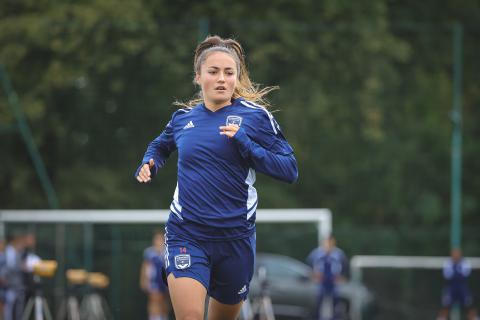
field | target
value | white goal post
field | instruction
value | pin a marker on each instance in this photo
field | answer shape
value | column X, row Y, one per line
column 322, row 217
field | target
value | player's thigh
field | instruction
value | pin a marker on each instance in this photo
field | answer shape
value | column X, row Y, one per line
column 187, row 296
column 221, row 311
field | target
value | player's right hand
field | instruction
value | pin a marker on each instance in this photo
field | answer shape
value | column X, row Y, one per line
column 145, row 175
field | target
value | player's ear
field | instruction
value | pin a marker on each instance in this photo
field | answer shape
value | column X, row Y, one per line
column 197, row 78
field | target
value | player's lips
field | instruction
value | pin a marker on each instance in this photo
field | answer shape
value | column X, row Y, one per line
column 220, row 88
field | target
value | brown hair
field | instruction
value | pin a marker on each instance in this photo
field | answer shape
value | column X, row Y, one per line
column 245, row 87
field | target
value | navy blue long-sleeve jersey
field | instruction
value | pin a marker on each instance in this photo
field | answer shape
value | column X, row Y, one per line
column 457, row 272
column 215, row 198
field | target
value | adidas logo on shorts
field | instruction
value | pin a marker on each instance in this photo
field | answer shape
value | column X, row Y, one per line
column 243, row 290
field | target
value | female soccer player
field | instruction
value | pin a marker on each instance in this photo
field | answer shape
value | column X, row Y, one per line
column 223, row 137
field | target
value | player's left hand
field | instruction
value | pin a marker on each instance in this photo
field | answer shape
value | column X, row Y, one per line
column 229, row 130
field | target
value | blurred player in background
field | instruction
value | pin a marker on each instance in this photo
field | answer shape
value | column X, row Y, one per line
column 223, row 137
column 13, row 275
column 456, row 292
column 329, row 268
column 329, row 243
column 151, row 278
column 20, row 260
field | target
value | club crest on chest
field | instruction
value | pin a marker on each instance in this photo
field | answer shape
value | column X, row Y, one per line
column 234, row 120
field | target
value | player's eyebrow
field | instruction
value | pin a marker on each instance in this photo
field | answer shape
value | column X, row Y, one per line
column 215, row 67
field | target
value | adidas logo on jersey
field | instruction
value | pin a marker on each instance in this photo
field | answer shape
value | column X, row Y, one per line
column 189, row 125
column 243, row 290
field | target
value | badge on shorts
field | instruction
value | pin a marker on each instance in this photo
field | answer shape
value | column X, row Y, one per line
column 234, row 120
column 182, row 261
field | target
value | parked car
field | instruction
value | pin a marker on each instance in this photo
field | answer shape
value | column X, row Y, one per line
column 292, row 291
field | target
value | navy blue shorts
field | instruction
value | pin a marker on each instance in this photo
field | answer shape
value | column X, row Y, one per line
column 460, row 296
column 225, row 268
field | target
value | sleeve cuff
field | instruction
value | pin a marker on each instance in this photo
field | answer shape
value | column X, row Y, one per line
column 153, row 170
column 243, row 142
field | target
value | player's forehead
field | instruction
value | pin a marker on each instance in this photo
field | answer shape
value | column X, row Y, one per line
column 219, row 60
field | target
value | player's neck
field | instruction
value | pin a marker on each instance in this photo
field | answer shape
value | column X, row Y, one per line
column 215, row 106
